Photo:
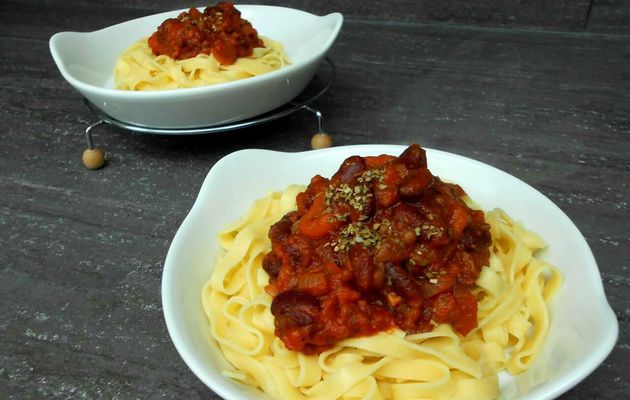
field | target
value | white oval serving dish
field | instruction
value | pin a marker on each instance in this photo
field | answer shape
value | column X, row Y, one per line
column 86, row 60
column 583, row 328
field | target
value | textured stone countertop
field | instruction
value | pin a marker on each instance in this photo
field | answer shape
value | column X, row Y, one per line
column 540, row 91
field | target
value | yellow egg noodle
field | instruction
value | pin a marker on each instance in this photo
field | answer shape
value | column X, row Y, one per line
column 139, row 69
column 513, row 293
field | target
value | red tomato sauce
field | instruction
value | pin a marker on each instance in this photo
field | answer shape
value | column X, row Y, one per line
column 219, row 31
column 381, row 244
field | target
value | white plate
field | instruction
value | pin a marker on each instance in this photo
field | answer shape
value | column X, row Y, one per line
column 86, row 61
column 583, row 326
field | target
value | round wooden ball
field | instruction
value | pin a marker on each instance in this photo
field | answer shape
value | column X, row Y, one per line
column 321, row 140
column 93, row 158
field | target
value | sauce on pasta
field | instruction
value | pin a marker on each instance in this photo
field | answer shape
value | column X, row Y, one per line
column 381, row 244
column 219, row 31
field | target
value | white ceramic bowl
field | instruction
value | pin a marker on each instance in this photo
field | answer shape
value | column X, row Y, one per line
column 583, row 326
column 86, row 61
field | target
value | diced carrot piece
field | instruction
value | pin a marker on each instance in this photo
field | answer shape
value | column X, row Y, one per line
column 317, row 222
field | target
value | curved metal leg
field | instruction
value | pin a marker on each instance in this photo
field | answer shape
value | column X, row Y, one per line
column 88, row 133
column 319, row 116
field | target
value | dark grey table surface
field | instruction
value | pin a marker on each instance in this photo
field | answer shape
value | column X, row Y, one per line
column 539, row 89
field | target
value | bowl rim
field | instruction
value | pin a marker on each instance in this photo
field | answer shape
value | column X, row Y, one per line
column 584, row 367
column 55, row 43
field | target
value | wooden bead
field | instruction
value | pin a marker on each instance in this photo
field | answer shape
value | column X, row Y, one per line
column 93, row 158
column 321, row 140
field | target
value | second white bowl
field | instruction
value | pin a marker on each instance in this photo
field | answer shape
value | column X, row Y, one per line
column 86, row 60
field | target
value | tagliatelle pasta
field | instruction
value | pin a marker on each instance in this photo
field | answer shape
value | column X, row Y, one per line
column 512, row 292
column 139, row 69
